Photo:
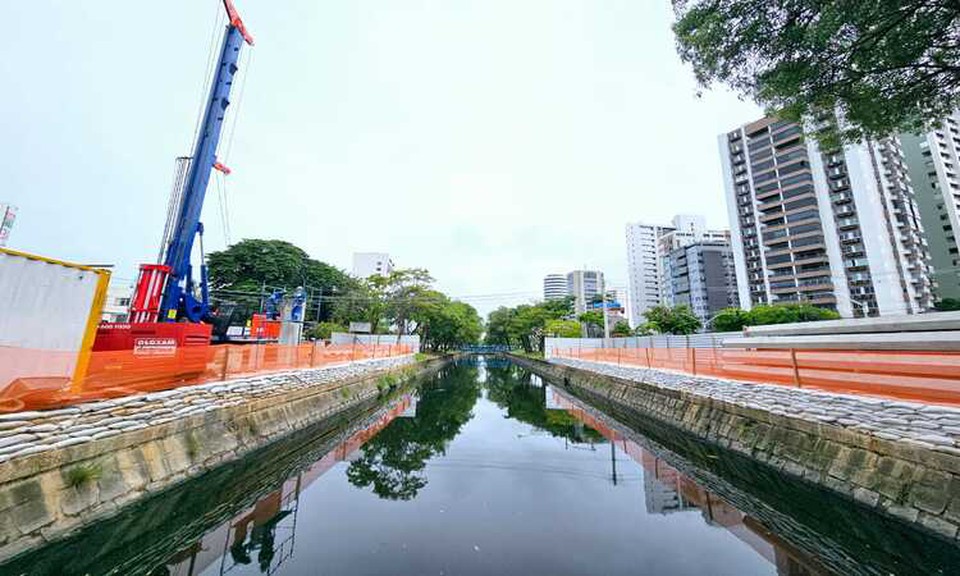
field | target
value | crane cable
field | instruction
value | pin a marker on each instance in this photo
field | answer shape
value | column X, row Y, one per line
column 221, row 179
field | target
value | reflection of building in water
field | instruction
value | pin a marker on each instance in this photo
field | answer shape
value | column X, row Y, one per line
column 661, row 487
column 667, row 490
column 265, row 533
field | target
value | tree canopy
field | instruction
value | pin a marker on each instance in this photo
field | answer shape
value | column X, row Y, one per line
column 405, row 301
column 734, row 319
column 525, row 326
column 242, row 271
column 884, row 66
column 667, row 320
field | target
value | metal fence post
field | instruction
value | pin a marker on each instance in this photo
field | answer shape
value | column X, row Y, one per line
column 226, row 364
column 796, row 368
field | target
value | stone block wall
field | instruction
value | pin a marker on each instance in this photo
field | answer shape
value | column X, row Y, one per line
column 48, row 493
column 906, row 480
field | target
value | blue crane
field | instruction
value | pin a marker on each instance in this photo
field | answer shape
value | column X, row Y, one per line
column 165, row 307
column 179, row 296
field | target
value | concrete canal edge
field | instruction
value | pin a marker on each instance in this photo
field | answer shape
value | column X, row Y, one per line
column 910, row 483
column 48, row 495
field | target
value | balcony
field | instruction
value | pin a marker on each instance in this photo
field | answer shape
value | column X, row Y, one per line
column 844, row 210
column 844, row 223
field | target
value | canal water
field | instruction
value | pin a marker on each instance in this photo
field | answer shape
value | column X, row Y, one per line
column 486, row 469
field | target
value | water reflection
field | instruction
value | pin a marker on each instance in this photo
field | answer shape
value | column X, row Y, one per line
column 485, row 469
column 393, row 462
column 264, row 535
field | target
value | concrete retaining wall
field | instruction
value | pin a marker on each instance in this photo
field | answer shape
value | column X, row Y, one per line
column 47, row 495
column 904, row 480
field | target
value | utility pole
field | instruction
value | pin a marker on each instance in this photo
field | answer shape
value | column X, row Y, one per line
column 603, row 304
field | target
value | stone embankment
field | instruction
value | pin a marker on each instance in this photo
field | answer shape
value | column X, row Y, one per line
column 26, row 433
column 900, row 458
column 65, row 468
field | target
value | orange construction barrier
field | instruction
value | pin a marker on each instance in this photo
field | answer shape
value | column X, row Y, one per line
column 38, row 379
column 909, row 375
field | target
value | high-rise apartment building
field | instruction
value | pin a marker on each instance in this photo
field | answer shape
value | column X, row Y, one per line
column 554, row 286
column 367, row 264
column 702, row 276
column 584, row 285
column 933, row 160
column 835, row 228
column 647, row 245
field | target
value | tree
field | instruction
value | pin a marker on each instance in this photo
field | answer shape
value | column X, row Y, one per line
column 676, row 320
column 562, row 328
column 788, row 313
column 524, row 326
column 621, row 329
column 948, row 304
column 240, row 272
column 730, row 320
column 885, row 66
column 591, row 318
column 396, row 298
column 323, row 330
column 444, row 324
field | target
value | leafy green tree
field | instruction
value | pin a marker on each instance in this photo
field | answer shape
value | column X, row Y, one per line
column 730, row 320
column 240, row 272
column 444, row 324
column 592, row 320
column 676, row 320
column 948, row 304
column 621, row 329
column 323, row 330
column 562, row 328
column 524, row 326
column 886, row 66
column 498, row 326
column 788, row 313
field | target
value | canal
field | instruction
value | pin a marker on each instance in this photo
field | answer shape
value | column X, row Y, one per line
column 483, row 468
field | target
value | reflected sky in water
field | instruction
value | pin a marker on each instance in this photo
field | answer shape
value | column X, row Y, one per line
column 486, row 471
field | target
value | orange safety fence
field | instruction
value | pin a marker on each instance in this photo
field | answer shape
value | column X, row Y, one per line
column 911, row 375
column 42, row 379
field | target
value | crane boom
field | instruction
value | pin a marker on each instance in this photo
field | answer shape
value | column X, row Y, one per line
column 166, row 312
column 179, row 298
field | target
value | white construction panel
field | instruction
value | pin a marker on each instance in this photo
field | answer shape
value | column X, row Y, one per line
column 44, row 305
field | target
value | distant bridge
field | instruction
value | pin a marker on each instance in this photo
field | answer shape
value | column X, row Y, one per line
column 485, row 348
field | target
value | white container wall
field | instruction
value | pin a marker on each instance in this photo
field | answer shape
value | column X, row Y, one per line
column 46, row 314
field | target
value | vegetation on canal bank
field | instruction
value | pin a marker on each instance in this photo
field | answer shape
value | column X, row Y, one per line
column 402, row 302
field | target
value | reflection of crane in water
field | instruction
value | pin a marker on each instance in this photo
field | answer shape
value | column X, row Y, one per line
column 258, row 531
column 265, row 532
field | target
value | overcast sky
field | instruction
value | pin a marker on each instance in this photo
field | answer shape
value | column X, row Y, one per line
column 488, row 141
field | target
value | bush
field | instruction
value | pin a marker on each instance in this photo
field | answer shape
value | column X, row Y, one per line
column 323, row 330
column 735, row 319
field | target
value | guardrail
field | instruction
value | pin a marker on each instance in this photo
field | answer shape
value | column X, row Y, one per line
column 911, row 375
column 29, row 385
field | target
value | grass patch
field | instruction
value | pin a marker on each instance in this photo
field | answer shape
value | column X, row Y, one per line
column 422, row 356
column 83, row 474
column 193, row 446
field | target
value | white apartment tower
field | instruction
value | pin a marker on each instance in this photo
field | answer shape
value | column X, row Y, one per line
column 584, row 285
column 647, row 245
column 834, row 228
column 367, row 264
column 933, row 160
column 555, row 286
